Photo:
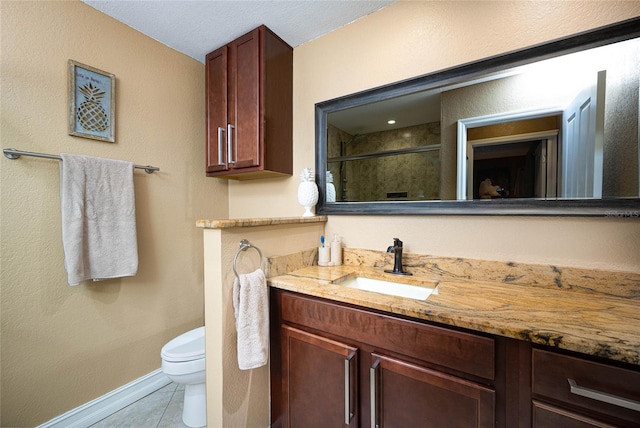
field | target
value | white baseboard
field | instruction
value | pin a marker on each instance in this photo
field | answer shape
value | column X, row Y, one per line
column 98, row 409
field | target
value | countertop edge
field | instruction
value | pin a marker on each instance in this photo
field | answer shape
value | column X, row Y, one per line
column 253, row 222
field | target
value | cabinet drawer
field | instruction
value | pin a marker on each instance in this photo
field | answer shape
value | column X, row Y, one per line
column 464, row 352
column 595, row 387
column 545, row 416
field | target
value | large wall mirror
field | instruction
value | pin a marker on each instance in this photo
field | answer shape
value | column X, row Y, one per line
column 548, row 130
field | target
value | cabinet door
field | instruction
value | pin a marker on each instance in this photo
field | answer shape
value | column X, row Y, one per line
column 406, row 395
column 319, row 381
column 217, row 104
column 245, row 115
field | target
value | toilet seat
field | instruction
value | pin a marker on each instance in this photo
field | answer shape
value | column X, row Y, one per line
column 187, row 369
column 188, row 346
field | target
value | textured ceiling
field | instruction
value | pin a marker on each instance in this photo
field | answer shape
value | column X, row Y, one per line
column 195, row 28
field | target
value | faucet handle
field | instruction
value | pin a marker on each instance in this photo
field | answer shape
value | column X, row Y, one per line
column 397, row 242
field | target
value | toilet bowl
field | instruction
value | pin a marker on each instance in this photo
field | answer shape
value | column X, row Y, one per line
column 183, row 362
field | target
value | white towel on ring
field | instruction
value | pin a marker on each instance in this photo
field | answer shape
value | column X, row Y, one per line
column 98, row 218
column 251, row 305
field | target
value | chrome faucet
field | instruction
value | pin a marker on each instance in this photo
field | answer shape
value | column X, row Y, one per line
column 396, row 248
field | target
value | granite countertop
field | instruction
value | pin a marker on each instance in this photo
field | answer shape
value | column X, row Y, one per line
column 254, row 222
column 600, row 317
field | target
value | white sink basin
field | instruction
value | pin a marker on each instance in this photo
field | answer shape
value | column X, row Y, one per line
column 392, row 288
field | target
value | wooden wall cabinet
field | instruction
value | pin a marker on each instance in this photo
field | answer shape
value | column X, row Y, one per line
column 249, row 107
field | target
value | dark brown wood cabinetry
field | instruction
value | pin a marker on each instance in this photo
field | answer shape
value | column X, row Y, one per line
column 335, row 365
column 575, row 392
column 249, row 105
column 403, row 394
column 320, row 375
column 343, row 366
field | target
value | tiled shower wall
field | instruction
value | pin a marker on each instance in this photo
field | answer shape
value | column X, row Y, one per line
column 376, row 179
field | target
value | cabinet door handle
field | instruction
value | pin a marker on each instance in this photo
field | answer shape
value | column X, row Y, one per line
column 220, row 131
column 603, row 396
column 348, row 415
column 230, row 127
column 373, row 380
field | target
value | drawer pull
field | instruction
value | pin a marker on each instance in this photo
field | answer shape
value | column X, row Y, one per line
column 374, row 395
column 348, row 415
column 603, row 396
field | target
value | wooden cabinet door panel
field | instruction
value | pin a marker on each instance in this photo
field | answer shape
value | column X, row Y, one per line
column 245, row 130
column 407, row 395
column 319, row 381
column 216, row 109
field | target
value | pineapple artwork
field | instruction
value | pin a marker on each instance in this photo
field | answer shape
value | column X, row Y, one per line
column 91, row 113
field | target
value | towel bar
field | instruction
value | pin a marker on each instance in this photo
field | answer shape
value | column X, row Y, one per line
column 15, row 154
column 244, row 246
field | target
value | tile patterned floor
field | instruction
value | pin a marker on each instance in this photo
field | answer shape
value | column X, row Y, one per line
column 162, row 409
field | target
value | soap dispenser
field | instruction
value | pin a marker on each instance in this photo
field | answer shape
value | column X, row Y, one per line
column 336, row 251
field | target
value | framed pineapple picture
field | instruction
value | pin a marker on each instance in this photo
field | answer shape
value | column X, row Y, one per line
column 91, row 102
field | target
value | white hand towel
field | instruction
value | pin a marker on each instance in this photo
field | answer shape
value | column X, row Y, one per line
column 98, row 218
column 251, row 305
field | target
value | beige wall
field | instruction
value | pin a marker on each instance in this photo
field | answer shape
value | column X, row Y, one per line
column 64, row 346
column 411, row 38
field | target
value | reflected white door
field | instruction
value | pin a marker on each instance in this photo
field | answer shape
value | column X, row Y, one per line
column 583, row 142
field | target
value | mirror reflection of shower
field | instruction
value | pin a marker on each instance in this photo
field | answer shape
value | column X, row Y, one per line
column 343, row 168
column 381, row 165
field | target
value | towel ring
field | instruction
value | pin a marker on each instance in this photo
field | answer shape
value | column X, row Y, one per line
column 244, row 246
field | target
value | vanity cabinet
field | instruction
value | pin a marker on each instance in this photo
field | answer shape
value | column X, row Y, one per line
column 570, row 391
column 338, row 365
column 249, row 104
column 335, row 364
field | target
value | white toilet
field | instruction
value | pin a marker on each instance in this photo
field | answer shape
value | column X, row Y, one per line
column 183, row 363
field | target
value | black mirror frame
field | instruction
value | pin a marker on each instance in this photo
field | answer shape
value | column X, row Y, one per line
column 624, row 207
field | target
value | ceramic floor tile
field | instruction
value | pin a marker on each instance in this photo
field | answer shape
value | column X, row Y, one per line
column 144, row 413
column 172, row 417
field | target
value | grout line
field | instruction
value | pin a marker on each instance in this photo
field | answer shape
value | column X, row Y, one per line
column 167, row 406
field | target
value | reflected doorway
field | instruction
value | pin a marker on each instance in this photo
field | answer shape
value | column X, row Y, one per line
column 506, row 161
column 511, row 170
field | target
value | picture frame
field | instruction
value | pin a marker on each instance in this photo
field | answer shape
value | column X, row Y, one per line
column 91, row 102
